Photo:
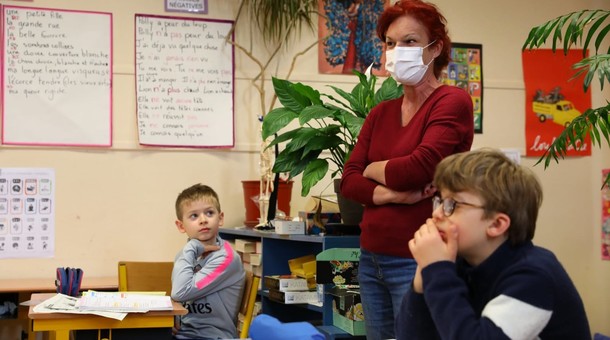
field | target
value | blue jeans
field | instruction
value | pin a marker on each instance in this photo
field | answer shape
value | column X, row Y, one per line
column 384, row 280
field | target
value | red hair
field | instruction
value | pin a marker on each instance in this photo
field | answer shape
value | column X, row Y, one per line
column 429, row 16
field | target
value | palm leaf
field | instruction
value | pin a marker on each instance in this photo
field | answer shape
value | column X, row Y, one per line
column 579, row 23
column 593, row 122
column 278, row 19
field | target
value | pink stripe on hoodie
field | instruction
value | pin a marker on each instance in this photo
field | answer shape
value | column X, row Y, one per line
column 213, row 275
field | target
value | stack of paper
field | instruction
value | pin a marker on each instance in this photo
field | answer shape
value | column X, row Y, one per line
column 123, row 302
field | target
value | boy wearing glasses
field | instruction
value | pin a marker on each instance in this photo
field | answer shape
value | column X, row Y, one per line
column 478, row 274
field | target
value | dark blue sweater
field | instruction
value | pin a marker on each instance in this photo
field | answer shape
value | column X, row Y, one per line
column 517, row 293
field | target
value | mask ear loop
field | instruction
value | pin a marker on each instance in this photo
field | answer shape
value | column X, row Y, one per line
column 431, row 60
column 433, row 41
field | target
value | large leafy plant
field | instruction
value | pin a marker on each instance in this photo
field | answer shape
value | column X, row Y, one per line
column 580, row 28
column 328, row 126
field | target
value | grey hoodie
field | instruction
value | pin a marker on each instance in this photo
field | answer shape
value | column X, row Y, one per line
column 209, row 288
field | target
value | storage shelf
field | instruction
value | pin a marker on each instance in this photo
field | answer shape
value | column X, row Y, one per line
column 277, row 250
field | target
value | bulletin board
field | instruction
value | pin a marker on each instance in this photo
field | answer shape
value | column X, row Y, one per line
column 57, row 76
column 184, row 82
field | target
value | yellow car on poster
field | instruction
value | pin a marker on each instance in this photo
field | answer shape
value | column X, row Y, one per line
column 561, row 112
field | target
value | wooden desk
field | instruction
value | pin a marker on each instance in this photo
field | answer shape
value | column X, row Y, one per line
column 63, row 323
column 25, row 287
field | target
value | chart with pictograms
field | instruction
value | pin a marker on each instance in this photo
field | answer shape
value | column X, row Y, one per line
column 27, row 212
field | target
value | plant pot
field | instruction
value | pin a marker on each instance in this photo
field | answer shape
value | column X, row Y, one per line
column 252, row 193
column 351, row 211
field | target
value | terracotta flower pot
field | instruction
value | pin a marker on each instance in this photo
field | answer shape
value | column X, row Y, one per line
column 251, row 195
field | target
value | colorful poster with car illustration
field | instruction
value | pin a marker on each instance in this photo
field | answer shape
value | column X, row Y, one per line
column 605, row 217
column 465, row 70
column 553, row 98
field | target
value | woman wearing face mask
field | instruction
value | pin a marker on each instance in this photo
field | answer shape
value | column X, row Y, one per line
column 399, row 146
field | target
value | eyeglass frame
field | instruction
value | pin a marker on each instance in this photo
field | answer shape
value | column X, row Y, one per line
column 437, row 201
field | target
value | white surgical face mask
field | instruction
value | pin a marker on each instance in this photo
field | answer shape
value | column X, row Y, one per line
column 406, row 64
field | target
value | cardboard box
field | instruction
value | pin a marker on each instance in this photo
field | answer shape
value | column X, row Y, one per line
column 347, row 302
column 325, row 203
column 325, row 218
column 289, row 283
column 294, row 297
column 259, row 247
column 245, row 246
column 304, row 266
column 245, row 257
column 350, row 326
column 285, row 227
column 257, row 270
column 338, row 266
column 255, row 259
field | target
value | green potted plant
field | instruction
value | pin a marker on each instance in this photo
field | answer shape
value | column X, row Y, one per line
column 328, row 126
column 594, row 121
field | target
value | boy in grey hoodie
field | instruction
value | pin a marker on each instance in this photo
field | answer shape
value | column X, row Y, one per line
column 208, row 276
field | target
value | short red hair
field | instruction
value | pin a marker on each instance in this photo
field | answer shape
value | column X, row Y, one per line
column 429, row 16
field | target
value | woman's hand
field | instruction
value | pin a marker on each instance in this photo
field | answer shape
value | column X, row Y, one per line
column 385, row 195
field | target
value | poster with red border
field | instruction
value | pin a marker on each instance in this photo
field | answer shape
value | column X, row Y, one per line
column 56, row 77
column 553, row 98
column 605, row 232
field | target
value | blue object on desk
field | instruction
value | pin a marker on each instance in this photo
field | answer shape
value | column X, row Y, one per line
column 266, row 327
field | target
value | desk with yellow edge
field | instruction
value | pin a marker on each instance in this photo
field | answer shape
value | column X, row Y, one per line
column 23, row 288
column 61, row 323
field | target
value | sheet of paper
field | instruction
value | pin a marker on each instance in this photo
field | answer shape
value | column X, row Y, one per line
column 61, row 303
column 123, row 302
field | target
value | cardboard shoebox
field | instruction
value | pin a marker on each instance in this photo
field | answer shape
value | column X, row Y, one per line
column 294, row 297
column 287, row 227
column 289, row 283
column 338, row 266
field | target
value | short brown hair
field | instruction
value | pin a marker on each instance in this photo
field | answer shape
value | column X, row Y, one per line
column 503, row 185
column 429, row 16
column 194, row 193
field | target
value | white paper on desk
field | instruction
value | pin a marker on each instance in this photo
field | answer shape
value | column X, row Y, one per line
column 124, row 302
column 61, row 303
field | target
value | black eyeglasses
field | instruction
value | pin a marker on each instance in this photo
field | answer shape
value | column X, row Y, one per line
column 449, row 204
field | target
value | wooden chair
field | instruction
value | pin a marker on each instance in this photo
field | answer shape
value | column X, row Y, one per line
column 145, row 276
column 247, row 302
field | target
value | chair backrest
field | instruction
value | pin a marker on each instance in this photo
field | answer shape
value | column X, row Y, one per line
column 247, row 302
column 145, row 276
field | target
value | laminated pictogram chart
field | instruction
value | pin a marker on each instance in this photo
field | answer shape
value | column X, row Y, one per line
column 27, row 212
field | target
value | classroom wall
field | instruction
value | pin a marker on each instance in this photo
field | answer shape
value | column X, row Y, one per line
column 117, row 203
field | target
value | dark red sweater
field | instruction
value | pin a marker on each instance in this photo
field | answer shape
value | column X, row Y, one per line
column 443, row 125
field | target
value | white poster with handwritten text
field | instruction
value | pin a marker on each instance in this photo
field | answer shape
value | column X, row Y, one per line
column 57, row 77
column 184, row 82
column 27, row 212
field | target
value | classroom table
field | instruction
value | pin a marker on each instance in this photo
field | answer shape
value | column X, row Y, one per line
column 62, row 323
column 25, row 287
